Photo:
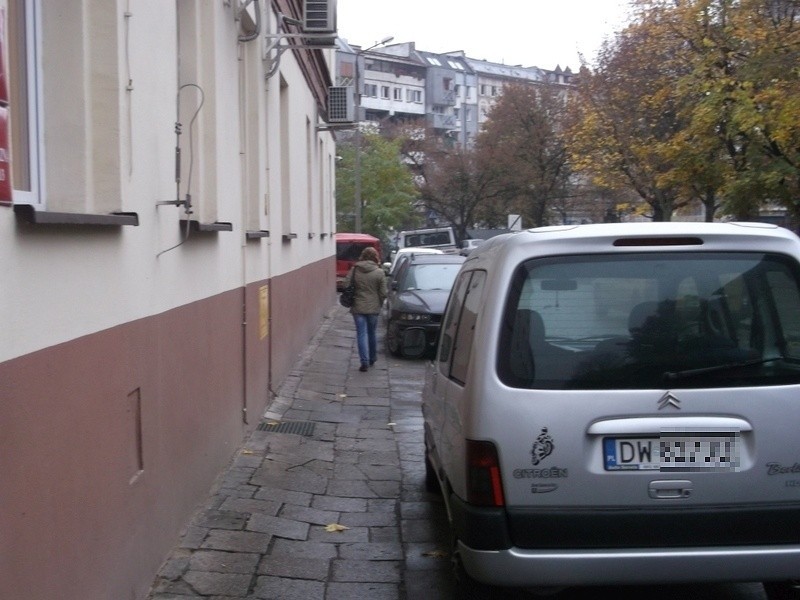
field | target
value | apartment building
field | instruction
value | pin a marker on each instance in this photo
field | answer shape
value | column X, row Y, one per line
column 166, row 203
column 389, row 80
column 451, row 92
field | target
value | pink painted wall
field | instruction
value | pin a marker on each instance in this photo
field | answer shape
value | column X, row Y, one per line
column 110, row 442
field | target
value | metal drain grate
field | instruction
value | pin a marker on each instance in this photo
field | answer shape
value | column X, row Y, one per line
column 297, row 427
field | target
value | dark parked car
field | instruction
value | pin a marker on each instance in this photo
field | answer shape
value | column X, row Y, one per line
column 418, row 294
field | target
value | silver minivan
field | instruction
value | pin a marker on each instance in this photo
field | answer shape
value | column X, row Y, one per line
column 620, row 403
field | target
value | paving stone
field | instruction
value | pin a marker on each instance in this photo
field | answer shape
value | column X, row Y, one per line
column 382, row 472
column 281, row 588
column 388, row 458
column 353, row 534
column 382, row 505
column 418, row 585
column 276, row 494
column 360, row 591
column 179, row 589
column 251, row 505
column 384, row 534
column 379, row 571
column 419, row 530
column 384, row 433
column 224, row 562
column 218, row 519
column 348, row 471
column 176, row 565
column 295, row 567
column 309, row 515
column 193, row 537
column 295, row 482
column 297, row 549
column 385, row 489
column 284, row 528
column 351, row 488
column 335, row 503
column 371, row 551
column 226, row 584
column 237, row 541
column 243, row 490
column 369, row 519
column 417, row 510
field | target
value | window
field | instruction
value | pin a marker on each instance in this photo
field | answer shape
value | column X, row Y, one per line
column 434, row 61
column 398, row 94
column 371, row 90
column 458, row 328
column 23, row 86
column 652, row 321
column 385, row 92
column 447, row 83
column 414, row 96
column 83, row 138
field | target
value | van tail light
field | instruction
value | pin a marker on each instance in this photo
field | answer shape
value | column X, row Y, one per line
column 484, row 484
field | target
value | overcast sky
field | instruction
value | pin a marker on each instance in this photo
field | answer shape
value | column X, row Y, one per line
column 541, row 33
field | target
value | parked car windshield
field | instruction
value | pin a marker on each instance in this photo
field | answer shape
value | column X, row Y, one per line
column 430, row 277
column 428, row 239
column 667, row 320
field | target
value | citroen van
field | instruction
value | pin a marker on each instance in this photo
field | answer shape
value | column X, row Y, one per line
column 620, row 403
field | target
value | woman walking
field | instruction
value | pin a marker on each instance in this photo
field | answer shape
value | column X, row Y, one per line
column 370, row 285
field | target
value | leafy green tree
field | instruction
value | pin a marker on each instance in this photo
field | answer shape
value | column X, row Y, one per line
column 744, row 75
column 388, row 192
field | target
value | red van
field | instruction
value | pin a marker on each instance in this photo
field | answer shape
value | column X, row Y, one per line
column 348, row 249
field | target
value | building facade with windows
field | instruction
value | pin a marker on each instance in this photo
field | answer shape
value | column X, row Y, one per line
column 391, row 81
column 166, row 203
column 450, row 93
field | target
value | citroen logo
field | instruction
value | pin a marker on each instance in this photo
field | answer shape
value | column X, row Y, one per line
column 668, row 400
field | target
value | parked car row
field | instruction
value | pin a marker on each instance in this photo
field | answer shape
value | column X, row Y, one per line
column 418, row 291
column 618, row 404
column 611, row 404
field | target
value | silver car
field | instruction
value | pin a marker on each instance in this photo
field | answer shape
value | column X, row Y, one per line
column 620, row 404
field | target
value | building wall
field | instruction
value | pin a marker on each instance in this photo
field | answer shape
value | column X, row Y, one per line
column 134, row 359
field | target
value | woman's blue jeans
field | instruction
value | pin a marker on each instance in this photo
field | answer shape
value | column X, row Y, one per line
column 366, row 336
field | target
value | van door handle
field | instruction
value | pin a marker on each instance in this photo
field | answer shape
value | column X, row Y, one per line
column 670, row 489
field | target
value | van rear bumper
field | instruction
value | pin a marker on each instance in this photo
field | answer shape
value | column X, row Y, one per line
column 595, row 547
column 529, row 568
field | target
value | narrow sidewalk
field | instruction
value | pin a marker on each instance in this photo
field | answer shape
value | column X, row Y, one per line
column 326, row 497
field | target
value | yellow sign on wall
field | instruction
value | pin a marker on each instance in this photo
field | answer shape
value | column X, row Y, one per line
column 263, row 311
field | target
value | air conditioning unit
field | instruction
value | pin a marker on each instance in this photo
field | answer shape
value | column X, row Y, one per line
column 341, row 105
column 319, row 16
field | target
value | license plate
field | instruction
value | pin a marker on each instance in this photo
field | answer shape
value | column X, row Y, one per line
column 673, row 452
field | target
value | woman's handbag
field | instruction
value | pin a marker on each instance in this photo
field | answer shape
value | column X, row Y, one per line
column 348, row 293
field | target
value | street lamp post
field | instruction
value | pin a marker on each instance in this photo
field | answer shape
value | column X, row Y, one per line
column 357, row 184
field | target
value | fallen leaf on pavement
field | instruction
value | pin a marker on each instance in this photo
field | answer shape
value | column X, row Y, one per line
column 435, row 554
column 333, row 527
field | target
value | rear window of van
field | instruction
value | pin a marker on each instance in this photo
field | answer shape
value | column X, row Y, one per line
column 652, row 320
